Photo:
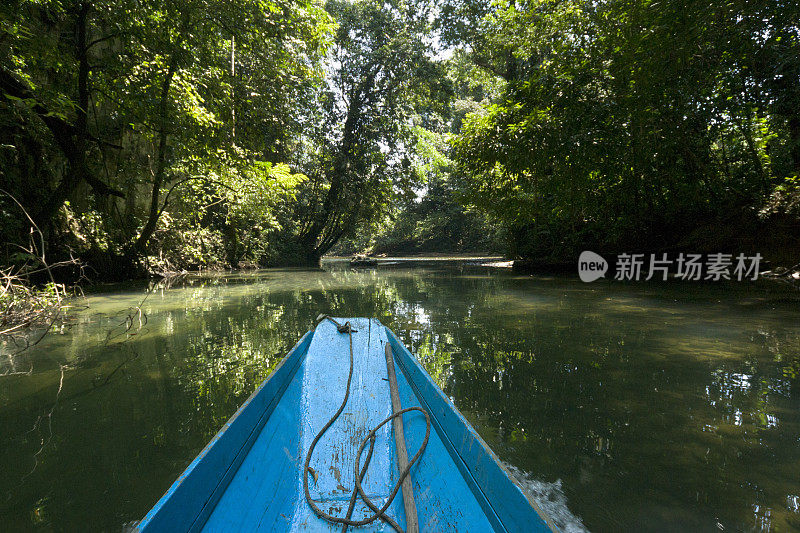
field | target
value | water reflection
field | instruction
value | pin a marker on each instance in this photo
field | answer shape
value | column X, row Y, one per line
column 647, row 407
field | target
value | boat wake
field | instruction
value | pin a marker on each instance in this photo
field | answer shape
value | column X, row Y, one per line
column 550, row 498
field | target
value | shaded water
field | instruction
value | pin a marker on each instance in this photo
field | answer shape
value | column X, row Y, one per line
column 641, row 406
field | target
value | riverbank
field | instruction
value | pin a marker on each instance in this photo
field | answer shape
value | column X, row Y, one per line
column 385, row 260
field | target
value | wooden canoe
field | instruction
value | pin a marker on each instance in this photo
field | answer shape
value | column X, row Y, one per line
column 249, row 477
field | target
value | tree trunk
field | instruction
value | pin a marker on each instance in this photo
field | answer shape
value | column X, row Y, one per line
column 313, row 242
column 233, row 95
column 72, row 139
column 140, row 246
column 794, row 142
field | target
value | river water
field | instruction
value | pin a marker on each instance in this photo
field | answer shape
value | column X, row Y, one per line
column 641, row 406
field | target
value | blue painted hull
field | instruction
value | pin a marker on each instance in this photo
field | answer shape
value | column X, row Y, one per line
column 249, row 477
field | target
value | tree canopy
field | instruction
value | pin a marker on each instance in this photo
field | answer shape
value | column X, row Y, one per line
column 629, row 123
column 163, row 135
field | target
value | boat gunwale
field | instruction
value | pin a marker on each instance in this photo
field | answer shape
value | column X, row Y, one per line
column 484, row 497
column 196, row 522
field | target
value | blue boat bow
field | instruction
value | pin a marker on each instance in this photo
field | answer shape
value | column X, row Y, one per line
column 250, row 476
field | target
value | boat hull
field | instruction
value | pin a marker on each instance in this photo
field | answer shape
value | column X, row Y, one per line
column 249, row 477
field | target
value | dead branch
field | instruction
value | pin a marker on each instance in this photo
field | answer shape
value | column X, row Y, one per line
column 23, row 306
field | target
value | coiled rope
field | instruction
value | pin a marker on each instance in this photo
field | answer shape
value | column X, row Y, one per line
column 379, row 513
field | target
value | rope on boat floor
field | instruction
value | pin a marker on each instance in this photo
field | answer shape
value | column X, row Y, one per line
column 379, row 513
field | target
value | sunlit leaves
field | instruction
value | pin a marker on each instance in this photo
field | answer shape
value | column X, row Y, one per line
column 381, row 83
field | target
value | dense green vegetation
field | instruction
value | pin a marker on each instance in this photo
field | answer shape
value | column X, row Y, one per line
column 636, row 124
column 163, row 135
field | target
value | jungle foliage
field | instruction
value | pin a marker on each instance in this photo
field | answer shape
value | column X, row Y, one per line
column 634, row 123
column 162, row 135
